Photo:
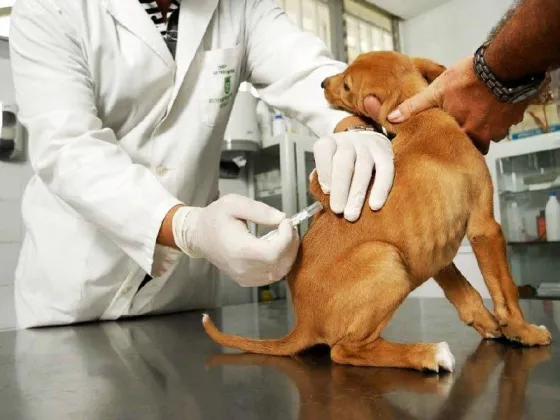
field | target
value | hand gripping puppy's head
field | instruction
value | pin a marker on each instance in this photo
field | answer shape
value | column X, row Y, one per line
column 389, row 76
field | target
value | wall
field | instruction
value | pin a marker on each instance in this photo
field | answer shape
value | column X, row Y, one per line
column 446, row 34
column 452, row 30
column 13, row 178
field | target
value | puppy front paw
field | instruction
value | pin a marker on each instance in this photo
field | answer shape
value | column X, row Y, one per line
column 485, row 324
column 527, row 334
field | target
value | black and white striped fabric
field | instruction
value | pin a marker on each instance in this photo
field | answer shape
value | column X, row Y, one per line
column 155, row 14
column 170, row 38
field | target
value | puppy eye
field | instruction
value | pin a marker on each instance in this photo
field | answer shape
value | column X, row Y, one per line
column 346, row 87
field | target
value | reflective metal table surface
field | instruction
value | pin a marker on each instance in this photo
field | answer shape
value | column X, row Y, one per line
column 166, row 368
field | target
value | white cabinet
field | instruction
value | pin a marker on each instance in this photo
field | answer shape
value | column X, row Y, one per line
column 525, row 173
column 279, row 174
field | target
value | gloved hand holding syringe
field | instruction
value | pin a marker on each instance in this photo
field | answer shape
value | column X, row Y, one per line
column 296, row 219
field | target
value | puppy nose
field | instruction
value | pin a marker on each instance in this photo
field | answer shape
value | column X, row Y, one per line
column 323, row 84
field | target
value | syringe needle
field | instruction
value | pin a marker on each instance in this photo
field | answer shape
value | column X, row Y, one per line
column 296, row 219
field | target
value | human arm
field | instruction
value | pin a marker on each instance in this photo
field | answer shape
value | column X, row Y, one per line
column 287, row 66
column 523, row 44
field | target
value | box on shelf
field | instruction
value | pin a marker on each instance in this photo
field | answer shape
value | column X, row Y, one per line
column 542, row 115
column 538, row 119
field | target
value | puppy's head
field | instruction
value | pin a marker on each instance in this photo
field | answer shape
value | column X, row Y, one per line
column 389, row 76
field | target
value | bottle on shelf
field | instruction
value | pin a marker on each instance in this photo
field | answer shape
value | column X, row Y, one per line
column 266, row 294
column 278, row 124
column 541, row 226
column 264, row 120
column 516, row 228
column 552, row 214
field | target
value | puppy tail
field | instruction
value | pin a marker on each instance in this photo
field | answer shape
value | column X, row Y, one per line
column 291, row 344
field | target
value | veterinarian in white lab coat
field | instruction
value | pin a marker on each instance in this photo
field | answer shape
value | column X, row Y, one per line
column 125, row 140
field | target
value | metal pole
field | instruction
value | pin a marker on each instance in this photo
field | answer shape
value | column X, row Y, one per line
column 252, row 226
column 289, row 195
column 395, row 26
column 338, row 29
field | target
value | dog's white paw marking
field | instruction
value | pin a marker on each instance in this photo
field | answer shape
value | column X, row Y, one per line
column 490, row 335
column 542, row 327
column 444, row 358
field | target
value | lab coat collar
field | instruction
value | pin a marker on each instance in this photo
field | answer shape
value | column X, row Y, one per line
column 194, row 18
column 132, row 16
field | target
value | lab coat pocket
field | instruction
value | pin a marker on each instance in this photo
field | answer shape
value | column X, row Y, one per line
column 220, row 78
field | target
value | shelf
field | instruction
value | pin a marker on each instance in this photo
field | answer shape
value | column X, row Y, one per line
column 275, row 192
column 526, row 193
column 275, row 141
column 530, row 243
column 528, row 145
column 523, row 294
column 537, row 297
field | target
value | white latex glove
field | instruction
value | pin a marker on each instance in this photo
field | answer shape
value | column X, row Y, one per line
column 219, row 234
column 345, row 163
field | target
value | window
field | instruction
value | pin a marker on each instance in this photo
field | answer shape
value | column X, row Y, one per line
column 363, row 36
column 292, row 9
column 323, row 23
column 310, row 15
column 367, row 29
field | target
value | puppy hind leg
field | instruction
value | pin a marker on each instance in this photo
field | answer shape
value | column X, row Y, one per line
column 376, row 283
column 381, row 353
column 372, row 282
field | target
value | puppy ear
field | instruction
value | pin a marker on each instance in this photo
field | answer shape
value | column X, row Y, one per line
column 428, row 68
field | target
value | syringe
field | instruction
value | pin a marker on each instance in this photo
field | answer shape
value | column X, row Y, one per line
column 296, row 219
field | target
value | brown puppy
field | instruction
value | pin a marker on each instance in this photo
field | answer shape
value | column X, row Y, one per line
column 349, row 278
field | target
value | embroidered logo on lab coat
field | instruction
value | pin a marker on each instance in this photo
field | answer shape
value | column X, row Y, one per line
column 227, row 85
column 226, row 73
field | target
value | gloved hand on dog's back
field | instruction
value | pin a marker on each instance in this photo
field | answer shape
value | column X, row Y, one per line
column 345, row 162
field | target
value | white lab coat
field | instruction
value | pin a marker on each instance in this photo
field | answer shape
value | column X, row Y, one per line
column 119, row 133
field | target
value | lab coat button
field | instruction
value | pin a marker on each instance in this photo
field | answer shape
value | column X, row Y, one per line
column 161, row 170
